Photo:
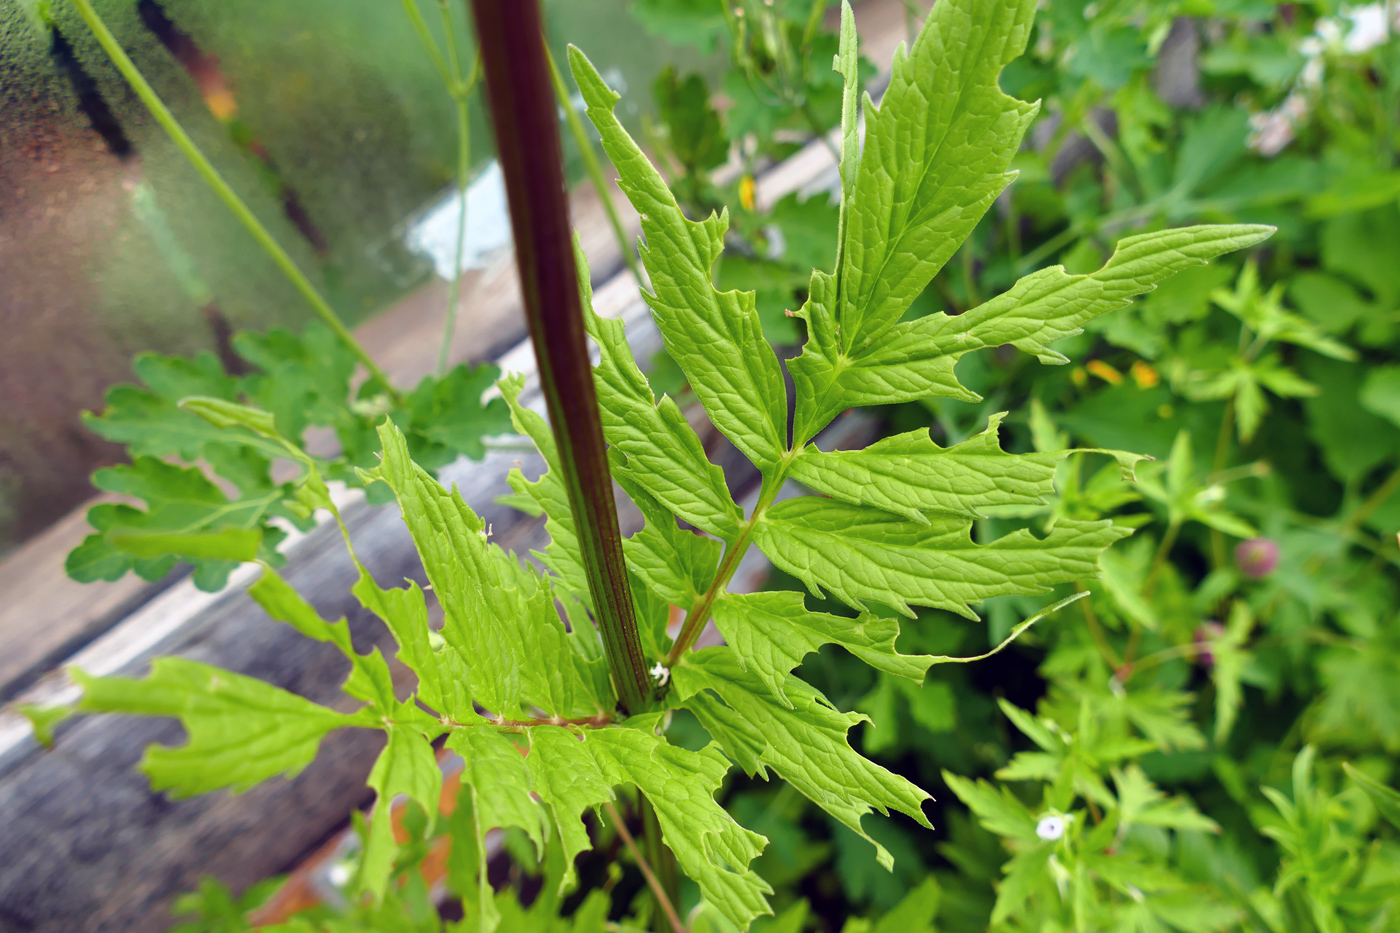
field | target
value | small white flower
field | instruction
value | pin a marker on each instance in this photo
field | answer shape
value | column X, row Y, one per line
column 1050, row 828
column 662, row 673
column 1368, row 28
column 339, row 874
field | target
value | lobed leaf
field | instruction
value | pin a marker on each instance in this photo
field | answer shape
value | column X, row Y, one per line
column 241, row 730
column 909, row 474
column 406, row 766
column 495, row 771
column 772, row 632
column 498, row 616
column 444, row 679
column 715, row 337
column 187, row 517
column 803, row 741
column 916, row 359
column 712, row 849
column 936, row 156
column 369, row 679
column 678, row 565
column 858, row 553
column 562, row 554
column 659, row 450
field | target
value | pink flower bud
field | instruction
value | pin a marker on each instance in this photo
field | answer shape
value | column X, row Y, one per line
column 1257, row 557
column 1204, row 635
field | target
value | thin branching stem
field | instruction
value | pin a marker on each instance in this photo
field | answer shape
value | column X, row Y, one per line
column 464, row 148
column 653, row 882
column 231, row 200
column 1368, row 508
column 1096, row 632
column 734, row 553
column 425, row 37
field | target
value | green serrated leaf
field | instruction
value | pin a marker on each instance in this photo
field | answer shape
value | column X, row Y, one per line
column 909, row 474
column 443, row 676
column 935, row 157
column 150, row 423
column 662, row 453
column 562, row 554
column 301, row 379
column 241, row 730
column 1141, row 803
column 715, row 337
column 1386, row 799
column 495, row 770
column 369, row 678
column 498, row 616
column 43, row 720
column 188, row 518
column 915, row 360
column 468, row 577
column 805, row 743
column 676, row 564
column 858, row 553
column 710, row 847
column 998, row 809
column 406, row 766
column 772, row 632
column 447, row 411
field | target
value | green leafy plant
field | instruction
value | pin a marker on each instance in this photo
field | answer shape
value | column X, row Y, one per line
column 551, row 718
column 302, row 381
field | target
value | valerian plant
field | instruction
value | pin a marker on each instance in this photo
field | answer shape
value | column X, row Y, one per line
column 531, row 703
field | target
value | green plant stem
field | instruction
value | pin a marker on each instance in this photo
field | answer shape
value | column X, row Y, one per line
column 696, row 618
column 1033, row 259
column 1096, row 631
column 814, row 23
column 525, row 117
column 1186, row 650
column 1222, row 454
column 969, row 268
column 663, row 861
column 1113, row 155
column 1366, row 509
column 231, row 200
column 454, row 286
column 425, row 37
column 591, row 164
column 665, row 905
column 1159, row 559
